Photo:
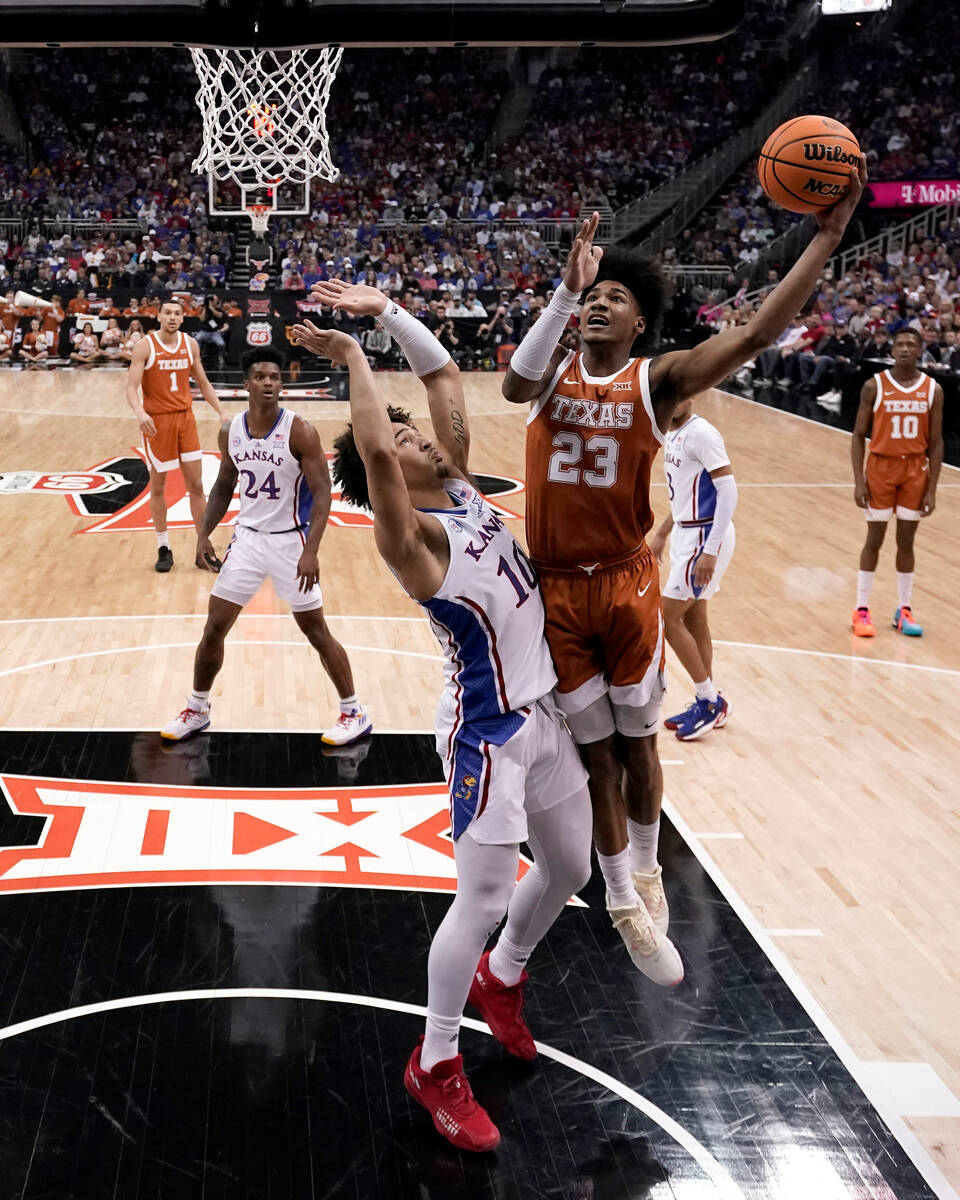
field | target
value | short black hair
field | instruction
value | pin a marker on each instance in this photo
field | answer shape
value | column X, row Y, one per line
column 348, row 470
column 172, row 300
column 644, row 278
column 911, row 332
column 259, row 355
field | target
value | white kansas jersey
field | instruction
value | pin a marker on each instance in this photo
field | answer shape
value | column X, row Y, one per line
column 488, row 616
column 274, row 497
column 690, row 453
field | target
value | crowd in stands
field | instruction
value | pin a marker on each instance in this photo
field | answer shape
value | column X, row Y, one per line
column 852, row 320
column 899, row 101
column 111, row 134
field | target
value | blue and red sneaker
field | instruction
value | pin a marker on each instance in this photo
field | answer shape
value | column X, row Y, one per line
column 701, row 718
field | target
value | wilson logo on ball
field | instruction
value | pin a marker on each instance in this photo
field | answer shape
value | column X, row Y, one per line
column 836, row 154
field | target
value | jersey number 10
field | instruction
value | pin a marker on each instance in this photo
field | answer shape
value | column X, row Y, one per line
column 911, row 426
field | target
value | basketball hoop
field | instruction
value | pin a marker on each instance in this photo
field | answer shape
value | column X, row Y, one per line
column 265, row 115
column 259, row 215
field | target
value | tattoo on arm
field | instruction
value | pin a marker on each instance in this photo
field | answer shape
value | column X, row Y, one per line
column 458, row 423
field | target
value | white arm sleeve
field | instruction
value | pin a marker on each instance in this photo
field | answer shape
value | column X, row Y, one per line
column 532, row 357
column 420, row 348
column 726, row 487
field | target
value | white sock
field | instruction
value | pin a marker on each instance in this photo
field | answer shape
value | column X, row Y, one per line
column 615, row 869
column 904, row 588
column 644, row 840
column 440, row 1041
column 420, row 348
column 349, row 705
column 864, row 587
column 199, row 700
column 163, row 540
column 707, row 690
column 507, row 961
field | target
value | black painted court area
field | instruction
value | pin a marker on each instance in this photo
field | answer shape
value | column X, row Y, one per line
column 301, row 1099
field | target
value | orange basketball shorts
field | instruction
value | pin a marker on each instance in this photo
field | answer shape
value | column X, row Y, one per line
column 896, row 485
column 605, row 631
column 175, row 441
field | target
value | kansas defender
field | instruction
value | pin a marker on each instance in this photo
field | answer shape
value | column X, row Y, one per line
column 279, row 463
column 703, row 497
column 512, row 769
column 901, row 411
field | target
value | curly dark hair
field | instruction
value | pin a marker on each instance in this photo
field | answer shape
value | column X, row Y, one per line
column 258, row 355
column 348, row 469
column 645, row 280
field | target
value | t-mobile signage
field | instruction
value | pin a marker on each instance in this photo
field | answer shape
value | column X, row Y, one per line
column 914, row 193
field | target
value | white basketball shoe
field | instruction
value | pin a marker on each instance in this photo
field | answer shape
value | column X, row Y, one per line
column 349, row 728
column 189, row 721
column 649, row 887
column 653, row 954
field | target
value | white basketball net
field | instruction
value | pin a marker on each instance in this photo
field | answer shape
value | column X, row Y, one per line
column 264, row 114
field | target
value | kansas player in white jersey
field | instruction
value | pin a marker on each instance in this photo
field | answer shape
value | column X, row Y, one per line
column 703, row 497
column 278, row 462
column 513, row 771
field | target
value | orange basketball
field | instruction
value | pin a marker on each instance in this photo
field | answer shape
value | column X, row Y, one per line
column 805, row 164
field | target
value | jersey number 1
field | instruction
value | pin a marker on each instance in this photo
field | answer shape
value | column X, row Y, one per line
column 564, row 461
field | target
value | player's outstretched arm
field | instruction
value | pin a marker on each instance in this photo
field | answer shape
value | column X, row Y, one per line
column 858, row 443
column 408, row 541
column 134, row 379
column 935, row 452
column 427, row 358
column 683, row 373
column 539, row 355
column 203, row 383
column 220, row 496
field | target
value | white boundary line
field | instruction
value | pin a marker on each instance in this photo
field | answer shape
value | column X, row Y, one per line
column 304, row 644
column 726, row 1187
column 911, row 1144
column 854, row 658
column 201, row 617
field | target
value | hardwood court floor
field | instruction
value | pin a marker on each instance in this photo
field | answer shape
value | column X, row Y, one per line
column 829, row 803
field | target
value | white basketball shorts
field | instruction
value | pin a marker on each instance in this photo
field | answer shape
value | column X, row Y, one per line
column 493, row 787
column 253, row 556
column 686, row 546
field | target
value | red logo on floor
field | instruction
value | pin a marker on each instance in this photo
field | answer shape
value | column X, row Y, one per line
column 100, row 835
column 131, row 513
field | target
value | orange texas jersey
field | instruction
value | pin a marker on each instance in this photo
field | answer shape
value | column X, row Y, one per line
column 166, row 377
column 590, row 445
column 901, row 416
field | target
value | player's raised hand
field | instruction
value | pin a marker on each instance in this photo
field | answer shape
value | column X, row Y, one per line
column 834, row 219
column 583, row 261
column 327, row 343
column 358, row 299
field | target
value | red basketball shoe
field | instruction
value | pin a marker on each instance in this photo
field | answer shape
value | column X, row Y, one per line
column 502, row 1009
column 445, row 1093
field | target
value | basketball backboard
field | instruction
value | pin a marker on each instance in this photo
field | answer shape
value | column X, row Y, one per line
column 358, row 23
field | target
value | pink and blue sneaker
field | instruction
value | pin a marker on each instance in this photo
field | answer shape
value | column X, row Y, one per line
column 903, row 622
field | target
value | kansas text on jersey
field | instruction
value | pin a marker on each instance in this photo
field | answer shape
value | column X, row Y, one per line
column 488, row 616
column 274, row 497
